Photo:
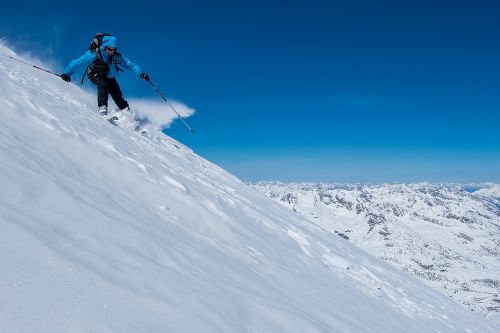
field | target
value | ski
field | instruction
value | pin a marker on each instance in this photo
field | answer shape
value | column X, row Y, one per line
column 137, row 128
column 112, row 121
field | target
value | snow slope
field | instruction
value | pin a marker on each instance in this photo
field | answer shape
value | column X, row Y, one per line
column 448, row 235
column 103, row 230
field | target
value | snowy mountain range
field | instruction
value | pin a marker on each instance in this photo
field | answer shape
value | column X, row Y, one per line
column 447, row 235
column 105, row 230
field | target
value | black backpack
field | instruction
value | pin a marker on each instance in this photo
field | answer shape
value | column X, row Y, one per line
column 96, row 42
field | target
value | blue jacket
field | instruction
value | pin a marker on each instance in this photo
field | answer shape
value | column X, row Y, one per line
column 89, row 57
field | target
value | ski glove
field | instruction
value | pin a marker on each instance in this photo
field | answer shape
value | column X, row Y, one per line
column 145, row 76
column 66, row 77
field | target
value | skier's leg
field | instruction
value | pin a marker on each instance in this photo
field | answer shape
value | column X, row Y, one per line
column 103, row 89
column 116, row 94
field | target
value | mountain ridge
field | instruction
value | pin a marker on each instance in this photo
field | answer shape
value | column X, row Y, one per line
column 446, row 234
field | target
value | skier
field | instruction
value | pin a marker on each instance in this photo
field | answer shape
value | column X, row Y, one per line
column 103, row 63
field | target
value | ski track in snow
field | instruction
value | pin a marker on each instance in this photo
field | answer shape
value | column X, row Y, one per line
column 104, row 230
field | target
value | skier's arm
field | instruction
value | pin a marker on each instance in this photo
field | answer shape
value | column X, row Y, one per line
column 85, row 60
column 130, row 65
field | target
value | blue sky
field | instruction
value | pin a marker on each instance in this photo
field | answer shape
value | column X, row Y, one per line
column 334, row 91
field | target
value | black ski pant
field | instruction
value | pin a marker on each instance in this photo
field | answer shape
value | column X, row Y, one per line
column 106, row 87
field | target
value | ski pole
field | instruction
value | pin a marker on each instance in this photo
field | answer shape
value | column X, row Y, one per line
column 35, row 66
column 170, row 105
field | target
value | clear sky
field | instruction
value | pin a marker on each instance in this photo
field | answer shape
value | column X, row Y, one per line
column 334, row 91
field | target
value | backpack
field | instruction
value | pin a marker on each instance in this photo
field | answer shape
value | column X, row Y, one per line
column 99, row 68
column 96, row 43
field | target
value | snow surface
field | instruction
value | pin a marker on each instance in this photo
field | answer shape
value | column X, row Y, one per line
column 492, row 190
column 447, row 235
column 104, row 230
